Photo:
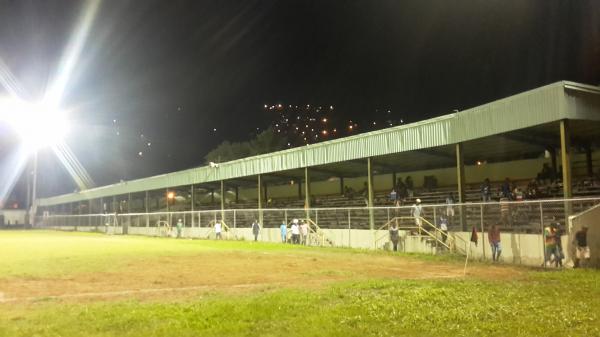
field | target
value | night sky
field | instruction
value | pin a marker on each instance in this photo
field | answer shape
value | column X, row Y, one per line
column 173, row 71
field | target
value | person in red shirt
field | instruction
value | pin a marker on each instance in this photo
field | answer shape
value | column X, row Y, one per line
column 494, row 239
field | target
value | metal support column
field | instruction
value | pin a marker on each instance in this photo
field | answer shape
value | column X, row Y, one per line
column 192, row 202
column 260, row 212
column 460, row 179
column 222, row 201
column 341, row 185
column 565, row 154
column 370, row 192
column 147, row 207
column 307, row 192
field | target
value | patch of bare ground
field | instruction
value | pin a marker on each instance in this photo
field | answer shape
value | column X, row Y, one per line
column 165, row 277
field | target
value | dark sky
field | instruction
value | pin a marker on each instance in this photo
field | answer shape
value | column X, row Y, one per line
column 175, row 70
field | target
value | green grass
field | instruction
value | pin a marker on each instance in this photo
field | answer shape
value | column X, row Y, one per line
column 565, row 303
column 44, row 253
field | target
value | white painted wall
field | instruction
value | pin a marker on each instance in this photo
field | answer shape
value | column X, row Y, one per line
column 525, row 249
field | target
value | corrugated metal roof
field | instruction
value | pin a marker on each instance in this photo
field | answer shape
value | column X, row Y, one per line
column 561, row 100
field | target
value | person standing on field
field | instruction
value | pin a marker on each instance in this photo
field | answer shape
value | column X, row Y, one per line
column 549, row 244
column 581, row 247
column 283, row 229
column 494, row 239
column 179, row 228
column 444, row 228
column 255, row 229
column 218, row 230
column 304, row 232
column 295, row 233
column 394, row 236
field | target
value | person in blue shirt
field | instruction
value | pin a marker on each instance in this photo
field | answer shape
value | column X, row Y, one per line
column 283, row 228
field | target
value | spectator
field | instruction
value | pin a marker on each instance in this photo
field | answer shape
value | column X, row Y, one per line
column 393, row 196
column 218, row 230
column 444, row 228
column 283, row 229
column 506, row 189
column 518, row 194
column 401, row 190
column 179, row 228
column 559, row 253
column 494, row 239
column 394, row 236
column 417, row 213
column 486, row 191
column 582, row 249
column 348, row 192
column 255, row 229
column 295, row 232
column 304, row 232
column 549, row 244
column 365, row 193
column 532, row 190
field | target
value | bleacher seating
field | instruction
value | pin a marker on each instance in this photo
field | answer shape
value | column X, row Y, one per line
column 526, row 219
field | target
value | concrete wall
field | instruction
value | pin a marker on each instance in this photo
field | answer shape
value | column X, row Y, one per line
column 591, row 218
column 13, row 216
column 524, row 249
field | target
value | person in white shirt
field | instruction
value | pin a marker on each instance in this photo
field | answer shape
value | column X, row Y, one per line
column 417, row 211
column 295, row 233
column 218, row 230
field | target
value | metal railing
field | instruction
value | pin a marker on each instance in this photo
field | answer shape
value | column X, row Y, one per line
column 515, row 217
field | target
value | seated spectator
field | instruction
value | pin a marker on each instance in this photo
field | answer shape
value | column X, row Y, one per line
column 532, row 190
column 518, row 194
column 348, row 192
column 393, row 196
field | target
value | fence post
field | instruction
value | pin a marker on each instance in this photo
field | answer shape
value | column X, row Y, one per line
column 235, row 224
column 349, row 229
column 482, row 232
column 543, row 235
column 317, row 216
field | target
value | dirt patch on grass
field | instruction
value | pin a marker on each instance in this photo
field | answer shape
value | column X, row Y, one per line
column 236, row 271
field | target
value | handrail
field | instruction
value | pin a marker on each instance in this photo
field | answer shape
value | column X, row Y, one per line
column 316, row 230
column 437, row 205
column 421, row 228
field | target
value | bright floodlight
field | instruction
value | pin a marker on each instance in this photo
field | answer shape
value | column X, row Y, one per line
column 38, row 124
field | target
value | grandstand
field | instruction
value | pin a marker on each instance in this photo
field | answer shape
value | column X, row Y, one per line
column 513, row 137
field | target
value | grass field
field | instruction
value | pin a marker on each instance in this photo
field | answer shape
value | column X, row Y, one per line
column 76, row 284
